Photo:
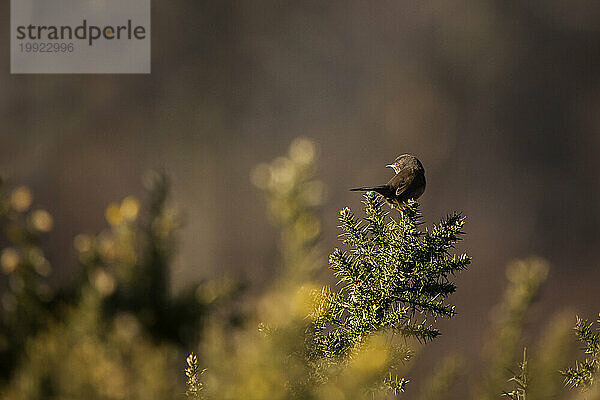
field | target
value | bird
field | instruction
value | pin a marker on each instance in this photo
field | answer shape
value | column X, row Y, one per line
column 407, row 183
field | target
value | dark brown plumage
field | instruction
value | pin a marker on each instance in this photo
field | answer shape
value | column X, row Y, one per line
column 408, row 183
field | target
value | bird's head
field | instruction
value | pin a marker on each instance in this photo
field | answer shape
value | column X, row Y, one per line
column 405, row 161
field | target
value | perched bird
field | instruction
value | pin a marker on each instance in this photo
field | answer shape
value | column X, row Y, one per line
column 408, row 183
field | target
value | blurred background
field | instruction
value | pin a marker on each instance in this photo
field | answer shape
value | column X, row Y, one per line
column 499, row 99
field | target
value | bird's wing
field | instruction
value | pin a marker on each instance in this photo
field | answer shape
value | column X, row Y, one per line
column 401, row 181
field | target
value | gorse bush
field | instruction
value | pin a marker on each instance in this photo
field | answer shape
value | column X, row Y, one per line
column 129, row 263
column 394, row 281
column 193, row 374
column 393, row 277
column 86, row 356
column 28, row 297
column 585, row 372
column 520, row 380
column 117, row 332
column 314, row 342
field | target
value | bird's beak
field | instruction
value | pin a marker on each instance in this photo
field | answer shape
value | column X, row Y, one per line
column 390, row 166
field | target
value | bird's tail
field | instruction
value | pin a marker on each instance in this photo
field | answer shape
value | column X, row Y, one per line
column 366, row 189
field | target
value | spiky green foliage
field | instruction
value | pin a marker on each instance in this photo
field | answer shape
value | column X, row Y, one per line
column 271, row 362
column 585, row 372
column 520, row 379
column 194, row 383
column 319, row 343
column 394, row 278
